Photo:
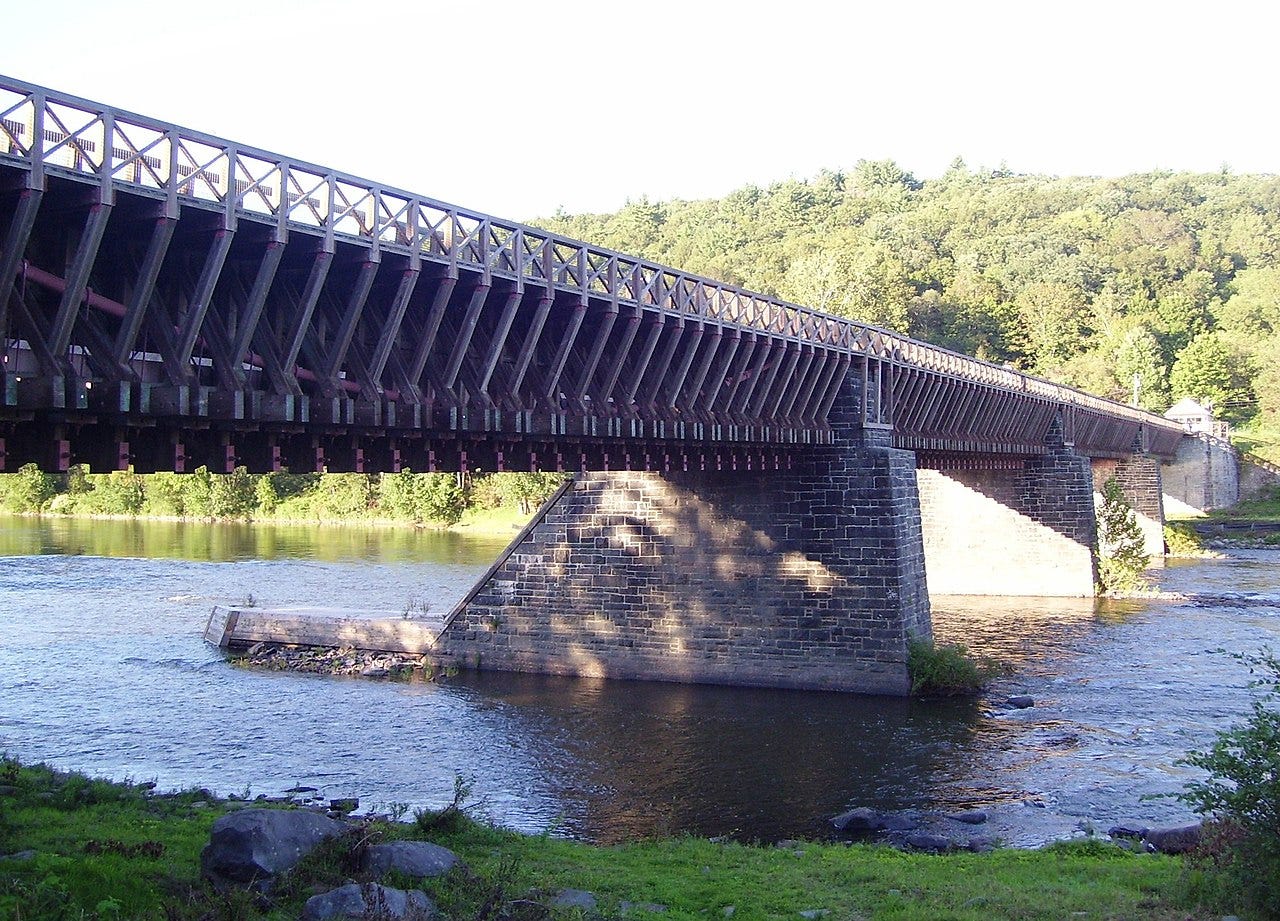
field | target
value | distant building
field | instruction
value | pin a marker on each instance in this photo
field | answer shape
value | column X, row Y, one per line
column 1197, row 419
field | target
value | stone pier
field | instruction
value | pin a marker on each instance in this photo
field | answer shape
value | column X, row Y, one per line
column 1139, row 476
column 1026, row 527
column 811, row 577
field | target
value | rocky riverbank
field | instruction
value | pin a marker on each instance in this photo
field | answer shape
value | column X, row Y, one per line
column 344, row 661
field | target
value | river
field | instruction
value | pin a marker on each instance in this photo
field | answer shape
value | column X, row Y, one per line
column 103, row 670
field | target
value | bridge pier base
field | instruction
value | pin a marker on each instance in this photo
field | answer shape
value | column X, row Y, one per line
column 1140, row 480
column 1026, row 530
column 804, row 578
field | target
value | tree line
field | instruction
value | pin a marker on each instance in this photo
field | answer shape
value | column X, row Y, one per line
column 1167, row 284
column 417, row 498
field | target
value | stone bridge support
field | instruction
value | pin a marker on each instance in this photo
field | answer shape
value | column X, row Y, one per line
column 1139, row 476
column 811, row 577
column 1026, row 527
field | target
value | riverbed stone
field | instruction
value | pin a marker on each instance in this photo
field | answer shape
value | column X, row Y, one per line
column 417, row 859
column 371, row 900
column 1021, row 701
column 922, row 841
column 252, row 846
column 969, row 817
column 864, row 819
column 1176, row 839
column 574, row 898
column 1127, row 830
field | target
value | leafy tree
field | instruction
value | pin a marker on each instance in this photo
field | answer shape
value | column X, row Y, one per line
column 164, row 494
column 345, row 495
column 27, row 490
column 117, row 493
column 1210, row 371
column 233, row 495
column 197, row 493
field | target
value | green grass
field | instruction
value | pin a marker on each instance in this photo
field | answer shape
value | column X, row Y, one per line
column 145, row 865
column 1262, row 442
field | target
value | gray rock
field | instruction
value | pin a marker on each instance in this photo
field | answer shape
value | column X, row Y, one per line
column 372, row 900
column 860, row 819
column 1176, row 840
column 375, row 671
column 926, row 842
column 1021, row 701
column 1128, row 830
column 865, row 819
column 412, row 858
column 574, row 898
column 893, row 821
column 252, row 846
column 981, row 844
column 969, row 817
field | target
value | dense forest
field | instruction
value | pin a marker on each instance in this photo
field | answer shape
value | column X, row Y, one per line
column 1169, row 282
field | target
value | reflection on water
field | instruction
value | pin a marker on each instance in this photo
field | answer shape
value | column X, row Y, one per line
column 102, row 669
column 225, row 541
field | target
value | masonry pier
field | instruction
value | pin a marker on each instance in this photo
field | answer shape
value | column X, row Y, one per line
column 811, row 577
column 1011, row 526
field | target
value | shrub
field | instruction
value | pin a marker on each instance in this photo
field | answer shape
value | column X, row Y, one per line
column 947, row 671
column 1242, row 795
column 1181, row 539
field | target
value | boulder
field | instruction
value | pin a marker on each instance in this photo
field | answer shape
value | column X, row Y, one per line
column 1175, row 840
column 252, row 846
column 969, row 817
column 866, row 819
column 412, row 858
column 1127, row 830
column 1021, row 701
column 859, row 819
column 933, row 843
column 372, row 900
column 574, row 898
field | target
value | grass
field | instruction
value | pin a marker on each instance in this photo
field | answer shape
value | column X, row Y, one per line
column 145, row 865
column 1262, row 442
column 1264, row 508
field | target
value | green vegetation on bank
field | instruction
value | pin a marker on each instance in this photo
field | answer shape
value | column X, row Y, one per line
column 440, row 499
column 99, row 851
column 1169, row 279
column 1265, row 507
column 1242, row 792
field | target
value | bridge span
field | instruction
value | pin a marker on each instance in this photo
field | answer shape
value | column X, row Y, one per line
column 761, row 488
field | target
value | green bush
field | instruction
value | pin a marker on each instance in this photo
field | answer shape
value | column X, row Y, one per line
column 1181, row 539
column 1242, row 796
column 947, row 671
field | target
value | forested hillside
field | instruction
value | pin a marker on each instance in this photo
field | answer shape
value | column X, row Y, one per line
column 1173, row 277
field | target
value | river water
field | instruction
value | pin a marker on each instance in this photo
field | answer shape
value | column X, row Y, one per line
column 103, row 670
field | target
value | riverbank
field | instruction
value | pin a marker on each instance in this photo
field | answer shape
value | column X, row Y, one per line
column 75, row 847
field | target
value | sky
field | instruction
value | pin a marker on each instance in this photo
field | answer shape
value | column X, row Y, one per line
column 520, row 109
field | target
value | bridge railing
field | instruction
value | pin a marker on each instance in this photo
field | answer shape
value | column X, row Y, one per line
column 44, row 131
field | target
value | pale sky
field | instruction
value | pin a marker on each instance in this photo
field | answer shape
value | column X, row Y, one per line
column 517, row 109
